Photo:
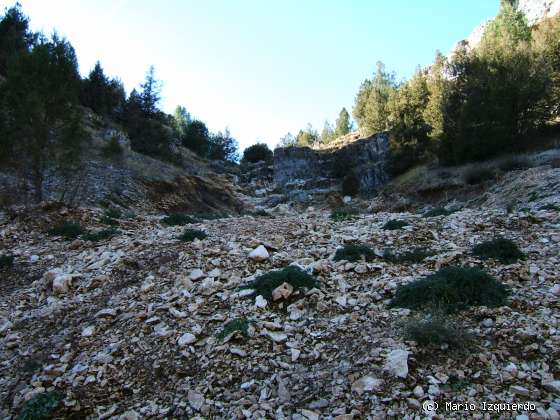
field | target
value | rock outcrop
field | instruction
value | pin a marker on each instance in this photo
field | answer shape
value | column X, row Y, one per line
column 305, row 169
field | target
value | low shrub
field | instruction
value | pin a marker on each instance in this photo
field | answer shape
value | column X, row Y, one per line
column 262, row 213
column 265, row 284
column 351, row 185
column 6, row 261
column 41, row 406
column 451, row 289
column 394, row 224
column 68, row 230
column 477, row 175
column 112, row 149
column 113, row 213
column 178, row 219
column 100, row 235
column 515, row 163
column 190, row 235
column 503, row 250
column 415, row 255
column 354, row 252
column 109, row 221
column 435, row 331
column 240, row 324
column 257, row 152
column 344, row 213
column 439, row 211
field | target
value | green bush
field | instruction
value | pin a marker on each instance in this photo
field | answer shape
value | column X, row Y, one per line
column 256, row 153
column 109, row 221
column 112, row 149
column 394, row 224
column 435, row 331
column 113, row 213
column 415, row 255
column 503, row 250
column 354, row 252
column 100, row 235
column 6, row 261
column 451, row 289
column 351, row 185
column 68, row 230
column 178, row 219
column 41, row 406
column 477, row 175
column 439, row 211
column 190, row 235
column 262, row 213
column 240, row 324
column 343, row 214
column 265, row 284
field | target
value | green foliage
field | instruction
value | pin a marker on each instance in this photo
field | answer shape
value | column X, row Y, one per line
column 288, row 141
column 112, row 149
column 256, row 153
column 370, row 107
column 262, row 213
column 40, row 123
column 265, row 284
column 190, row 235
column 354, row 252
column 451, row 289
column 100, row 235
column 394, row 224
column 103, row 95
column 328, row 133
column 351, row 184
column 501, row 249
column 434, row 331
column 6, row 261
column 113, row 213
column 307, row 137
column 15, row 36
column 179, row 219
column 239, row 324
column 479, row 174
column 439, row 211
column 343, row 124
column 550, row 206
column 344, row 213
column 197, row 138
column 222, row 146
column 109, row 221
column 41, row 406
column 415, row 255
column 68, row 230
column 209, row 216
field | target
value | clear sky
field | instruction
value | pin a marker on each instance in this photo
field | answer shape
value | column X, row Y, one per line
column 261, row 67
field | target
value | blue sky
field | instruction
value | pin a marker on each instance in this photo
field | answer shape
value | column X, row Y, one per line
column 262, row 68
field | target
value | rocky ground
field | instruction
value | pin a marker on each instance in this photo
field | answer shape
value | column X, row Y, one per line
column 129, row 327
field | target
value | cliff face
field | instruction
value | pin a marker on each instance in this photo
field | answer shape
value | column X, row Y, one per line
column 307, row 169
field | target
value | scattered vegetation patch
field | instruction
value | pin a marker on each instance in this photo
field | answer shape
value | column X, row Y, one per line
column 354, row 252
column 550, row 207
column 209, row 216
column 415, row 255
column 345, row 213
column 265, row 284
column 100, row 235
column 262, row 213
column 439, row 211
column 394, row 224
column 434, row 331
column 6, row 261
column 178, row 219
column 503, row 250
column 452, row 289
column 190, row 235
column 41, row 406
column 113, row 213
column 109, row 221
column 112, row 149
column 68, row 230
column 478, row 175
column 240, row 324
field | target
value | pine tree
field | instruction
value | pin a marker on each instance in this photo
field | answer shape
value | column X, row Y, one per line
column 15, row 36
column 104, row 96
column 343, row 124
column 150, row 94
column 327, row 135
column 41, row 130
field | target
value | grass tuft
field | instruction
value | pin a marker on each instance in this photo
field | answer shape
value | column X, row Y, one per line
column 343, row 214
column 190, row 235
column 354, row 252
column 240, row 324
column 394, row 224
column 435, row 331
column 100, row 235
column 451, row 289
column 265, row 284
column 41, row 406
column 439, row 211
column 503, row 250
column 415, row 255
column 179, row 219
column 68, row 230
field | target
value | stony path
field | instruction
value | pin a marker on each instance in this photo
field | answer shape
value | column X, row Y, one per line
column 129, row 329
